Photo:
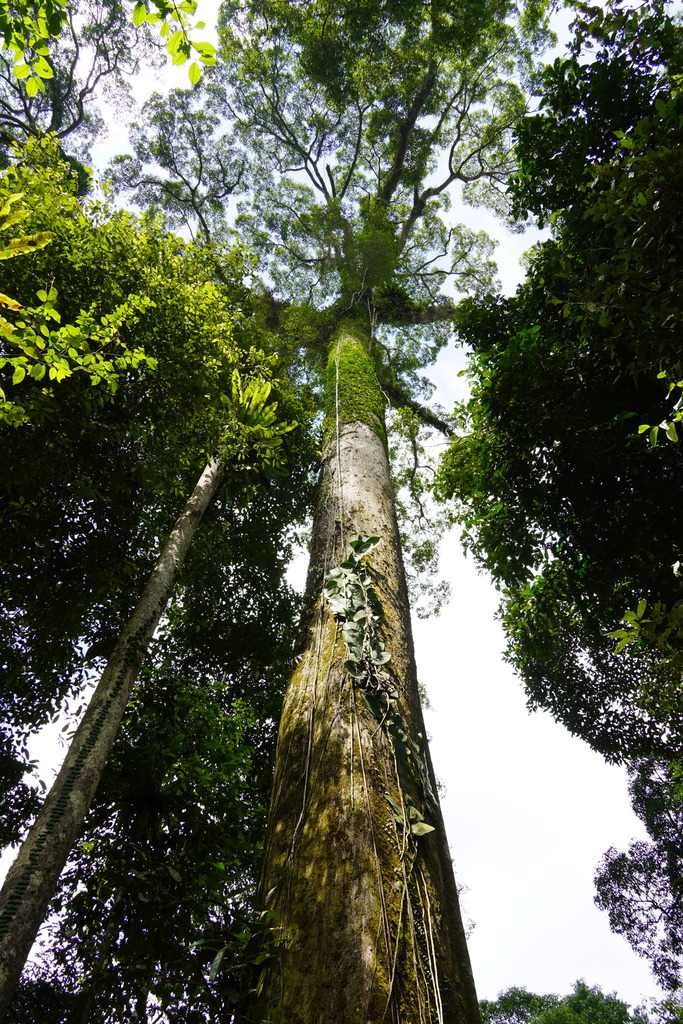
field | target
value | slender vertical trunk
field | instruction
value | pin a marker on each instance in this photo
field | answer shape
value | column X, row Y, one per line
column 33, row 877
column 364, row 907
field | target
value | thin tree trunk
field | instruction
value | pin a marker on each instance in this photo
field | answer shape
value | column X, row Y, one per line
column 364, row 911
column 32, row 879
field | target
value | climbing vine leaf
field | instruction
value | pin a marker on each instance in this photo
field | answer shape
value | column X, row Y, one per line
column 353, row 600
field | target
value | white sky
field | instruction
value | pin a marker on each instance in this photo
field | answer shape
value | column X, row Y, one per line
column 529, row 810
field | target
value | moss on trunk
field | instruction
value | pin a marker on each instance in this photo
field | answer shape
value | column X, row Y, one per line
column 353, row 392
column 364, row 912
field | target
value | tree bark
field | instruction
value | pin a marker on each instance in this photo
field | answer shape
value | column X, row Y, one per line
column 32, row 879
column 364, row 914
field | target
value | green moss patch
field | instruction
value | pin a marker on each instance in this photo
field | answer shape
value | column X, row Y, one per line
column 353, row 392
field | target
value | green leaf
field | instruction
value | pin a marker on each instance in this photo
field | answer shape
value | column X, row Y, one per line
column 176, row 41
column 21, row 246
column 139, row 14
column 361, row 545
column 421, row 828
column 42, row 68
column 216, row 963
column 4, row 210
column 194, row 73
column 382, row 657
column 395, row 806
column 14, row 218
column 207, row 51
column 9, row 303
column 354, row 669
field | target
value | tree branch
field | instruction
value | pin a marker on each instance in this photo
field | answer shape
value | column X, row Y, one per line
column 399, row 399
column 405, row 134
column 391, row 310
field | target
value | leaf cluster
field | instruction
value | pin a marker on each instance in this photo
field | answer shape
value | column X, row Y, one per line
column 166, row 863
column 97, row 52
column 350, row 595
column 563, row 501
column 26, row 30
column 29, row 32
column 620, row 60
column 175, row 30
column 349, row 592
column 168, row 857
column 95, row 480
column 585, row 1005
column 641, row 889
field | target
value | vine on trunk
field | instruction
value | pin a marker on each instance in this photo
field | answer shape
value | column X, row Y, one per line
column 354, row 601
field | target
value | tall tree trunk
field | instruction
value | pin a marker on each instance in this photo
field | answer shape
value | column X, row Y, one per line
column 364, row 908
column 32, row 879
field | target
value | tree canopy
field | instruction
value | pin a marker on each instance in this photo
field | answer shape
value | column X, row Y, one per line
column 96, row 470
column 642, row 888
column 585, row 1004
column 554, row 482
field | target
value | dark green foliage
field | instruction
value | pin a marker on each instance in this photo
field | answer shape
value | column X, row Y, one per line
column 556, row 488
column 515, row 1006
column 564, row 501
column 40, row 998
column 172, row 844
column 92, row 483
column 619, row 60
column 585, row 1005
column 95, row 478
column 642, row 889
